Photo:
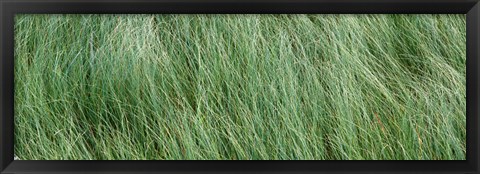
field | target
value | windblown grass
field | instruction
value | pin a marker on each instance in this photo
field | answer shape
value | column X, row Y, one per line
column 357, row 87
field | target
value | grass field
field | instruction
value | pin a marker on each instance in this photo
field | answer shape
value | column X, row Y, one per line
column 276, row 87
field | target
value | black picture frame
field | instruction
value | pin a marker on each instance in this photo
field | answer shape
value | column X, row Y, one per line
column 8, row 8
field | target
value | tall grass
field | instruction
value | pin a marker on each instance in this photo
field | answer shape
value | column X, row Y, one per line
column 276, row 87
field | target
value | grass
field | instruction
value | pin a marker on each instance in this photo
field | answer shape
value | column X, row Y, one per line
column 254, row 87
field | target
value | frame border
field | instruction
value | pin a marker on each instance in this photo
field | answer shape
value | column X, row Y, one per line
column 8, row 9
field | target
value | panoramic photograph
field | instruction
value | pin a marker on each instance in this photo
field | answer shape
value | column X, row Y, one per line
column 240, row 87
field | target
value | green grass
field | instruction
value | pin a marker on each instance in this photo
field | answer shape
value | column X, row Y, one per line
column 279, row 87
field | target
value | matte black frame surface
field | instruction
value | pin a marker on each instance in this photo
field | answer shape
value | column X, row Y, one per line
column 8, row 9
